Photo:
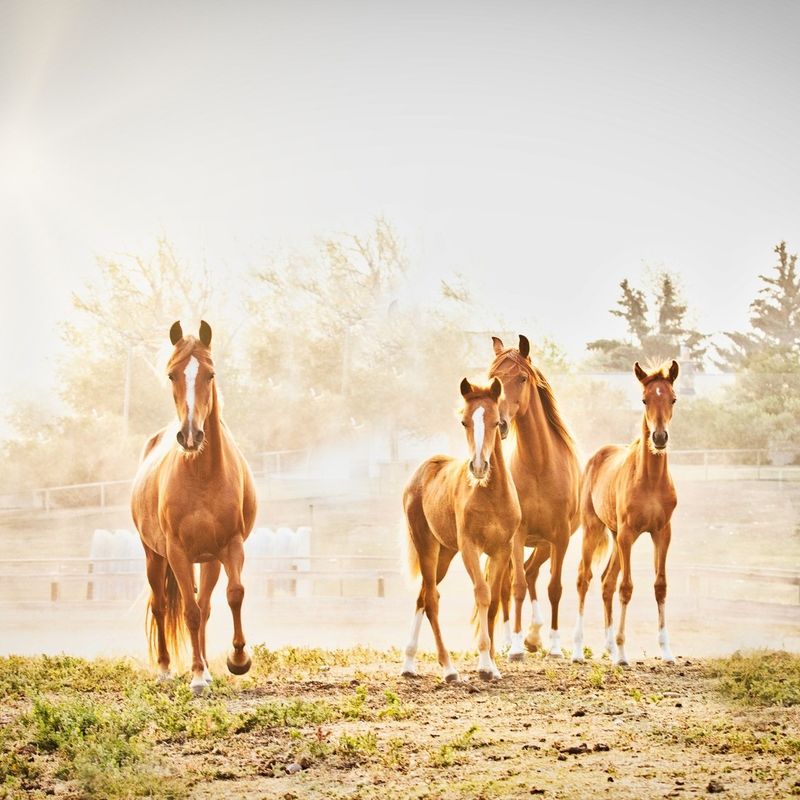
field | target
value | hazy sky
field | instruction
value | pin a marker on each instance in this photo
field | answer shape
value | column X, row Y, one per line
column 546, row 150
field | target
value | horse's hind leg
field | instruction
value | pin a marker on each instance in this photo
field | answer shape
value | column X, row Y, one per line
column 498, row 576
column 594, row 537
column 232, row 558
column 209, row 574
column 156, row 577
column 533, row 641
column 558, row 549
column 661, row 542
column 505, row 604
column 625, row 539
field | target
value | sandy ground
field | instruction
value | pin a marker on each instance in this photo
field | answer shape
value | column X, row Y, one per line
column 548, row 728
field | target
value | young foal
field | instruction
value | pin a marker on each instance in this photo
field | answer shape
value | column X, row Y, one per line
column 470, row 507
column 629, row 490
column 193, row 501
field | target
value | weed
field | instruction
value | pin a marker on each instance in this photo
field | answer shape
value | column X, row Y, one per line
column 765, row 677
column 355, row 707
column 596, row 676
column 395, row 708
column 356, row 746
column 445, row 755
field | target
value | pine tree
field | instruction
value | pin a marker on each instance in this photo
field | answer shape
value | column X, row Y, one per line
column 773, row 344
column 665, row 335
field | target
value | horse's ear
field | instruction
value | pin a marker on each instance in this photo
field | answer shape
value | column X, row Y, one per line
column 466, row 387
column 175, row 332
column 205, row 333
column 498, row 345
column 673, row 371
column 524, row 346
column 639, row 372
column 495, row 389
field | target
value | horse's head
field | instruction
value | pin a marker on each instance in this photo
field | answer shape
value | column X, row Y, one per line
column 191, row 372
column 658, row 396
column 481, row 420
column 511, row 366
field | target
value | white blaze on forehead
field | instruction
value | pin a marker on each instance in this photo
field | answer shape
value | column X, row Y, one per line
column 478, row 428
column 658, row 391
column 191, row 379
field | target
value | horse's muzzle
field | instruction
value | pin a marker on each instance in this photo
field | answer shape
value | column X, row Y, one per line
column 660, row 439
column 478, row 473
column 190, row 441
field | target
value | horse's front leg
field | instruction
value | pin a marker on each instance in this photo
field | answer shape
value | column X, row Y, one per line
column 519, row 586
column 471, row 557
column 232, row 558
column 558, row 549
column 183, row 570
column 533, row 641
column 661, row 541
column 625, row 539
column 209, row 575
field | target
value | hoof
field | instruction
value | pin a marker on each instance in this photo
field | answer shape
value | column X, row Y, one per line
column 670, row 661
column 486, row 675
column 407, row 673
column 240, row 668
column 198, row 687
column 577, row 658
column 451, row 677
column 516, row 656
column 555, row 654
column 164, row 677
column 621, row 662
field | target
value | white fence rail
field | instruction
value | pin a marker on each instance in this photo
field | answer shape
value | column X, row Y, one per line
column 116, row 579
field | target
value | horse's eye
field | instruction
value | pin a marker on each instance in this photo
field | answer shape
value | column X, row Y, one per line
column 644, row 401
column 211, row 376
column 523, row 378
column 674, row 400
column 171, row 376
column 463, row 423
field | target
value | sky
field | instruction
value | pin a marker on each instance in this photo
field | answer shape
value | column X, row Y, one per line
column 544, row 150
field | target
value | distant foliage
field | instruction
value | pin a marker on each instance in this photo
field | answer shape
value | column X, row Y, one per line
column 653, row 334
column 773, row 343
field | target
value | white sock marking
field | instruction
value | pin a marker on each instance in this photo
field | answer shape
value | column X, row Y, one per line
column 517, row 644
column 478, row 428
column 411, row 647
column 507, row 633
column 536, row 615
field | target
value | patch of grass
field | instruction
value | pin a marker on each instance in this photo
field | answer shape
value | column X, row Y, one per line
column 355, row 707
column 24, row 676
column 446, row 754
column 99, row 747
column 287, row 714
column 725, row 738
column 394, row 708
column 289, row 661
column 764, row 677
column 597, row 675
column 356, row 746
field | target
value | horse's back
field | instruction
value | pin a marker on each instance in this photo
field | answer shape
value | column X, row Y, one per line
column 428, row 497
column 598, row 481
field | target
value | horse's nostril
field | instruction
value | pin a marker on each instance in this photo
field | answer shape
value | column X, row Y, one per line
column 198, row 438
column 181, row 439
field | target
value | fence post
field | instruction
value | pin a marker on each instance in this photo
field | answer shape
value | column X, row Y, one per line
column 90, row 582
column 381, row 587
column 54, row 590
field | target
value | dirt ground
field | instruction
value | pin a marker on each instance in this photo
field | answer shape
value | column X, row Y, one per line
column 350, row 727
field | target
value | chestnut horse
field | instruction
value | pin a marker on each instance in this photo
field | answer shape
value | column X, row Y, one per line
column 470, row 507
column 628, row 490
column 193, row 502
column 546, row 473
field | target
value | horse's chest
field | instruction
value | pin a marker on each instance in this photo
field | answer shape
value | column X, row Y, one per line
column 649, row 512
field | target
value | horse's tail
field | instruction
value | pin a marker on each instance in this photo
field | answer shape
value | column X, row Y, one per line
column 173, row 620
column 412, row 555
column 595, row 535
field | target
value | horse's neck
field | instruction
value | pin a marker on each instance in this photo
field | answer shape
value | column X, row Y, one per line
column 650, row 467
column 499, row 467
column 211, row 458
column 534, row 437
